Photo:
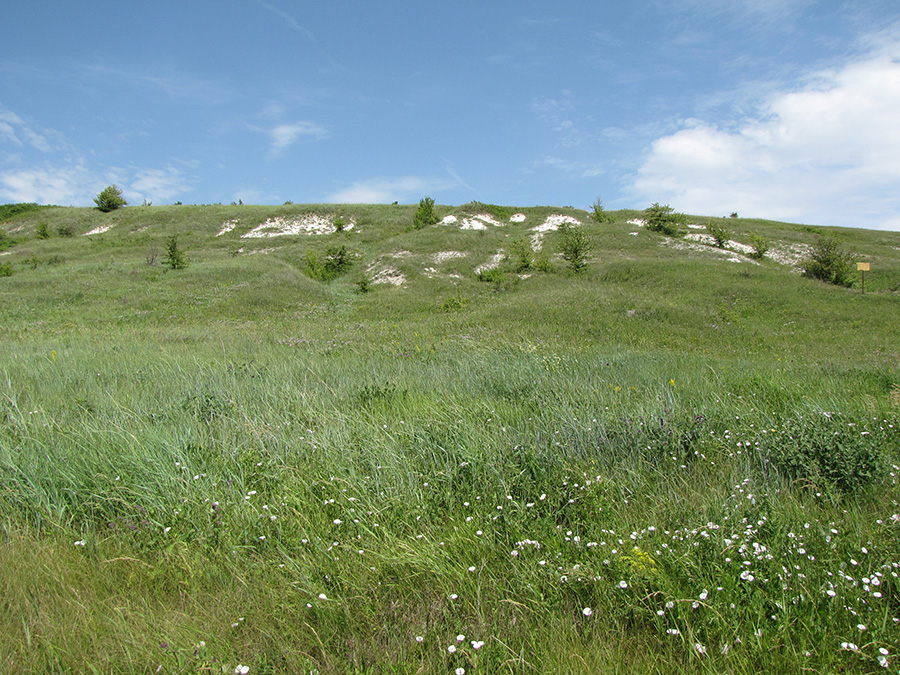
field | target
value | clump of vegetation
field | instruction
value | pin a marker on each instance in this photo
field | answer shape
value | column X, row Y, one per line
column 6, row 269
column 719, row 234
column 575, row 245
column 663, row 219
column 110, row 199
column 425, row 214
column 599, row 214
column 828, row 451
column 500, row 213
column 174, row 259
column 522, row 255
column 43, row 231
column 8, row 211
column 828, row 262
column 336, row 262
column 339, row 223
column 65, row 231
column 760, row 245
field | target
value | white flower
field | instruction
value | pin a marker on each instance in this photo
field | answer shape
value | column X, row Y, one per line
column 81, row 542
column 322, row 596
column 460, row 638
column 477, row 644
column 460, row 671
column 472, row 568
column 700, row 648
column 420, row 639
column 241, row 670
column 452, row 649
column 704, row 594
column 587, row 611
column 453, row 596
column 623, row 584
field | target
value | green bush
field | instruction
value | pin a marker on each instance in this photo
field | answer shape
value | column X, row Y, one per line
column 110, row 199
column 522, row 255
column 425, row 214
column 43, row 231
column 828, row 450
column 760, row 246
column 575, row 245
column 174, row 255
column 6, row 269
column 7, row 211
column 663, row 219
column 66, row 231
column 828, row 262
column 719, row 233
column 336, row 262
column 599, row 214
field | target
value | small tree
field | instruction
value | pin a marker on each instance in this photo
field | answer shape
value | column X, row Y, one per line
column 110, row 199
column 760, row 245
column 828, row 262
column 43, row 231
column 575, row 246
column 719, row 233
column 174, row 256
column 663, row 219
column 425, row 214
column 599, row 214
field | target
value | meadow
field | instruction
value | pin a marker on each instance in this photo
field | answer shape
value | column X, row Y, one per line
column 680, row 459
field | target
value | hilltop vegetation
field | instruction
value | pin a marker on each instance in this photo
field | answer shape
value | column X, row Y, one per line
column 340, row 439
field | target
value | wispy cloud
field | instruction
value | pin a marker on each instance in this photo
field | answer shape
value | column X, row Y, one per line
column 16, row 131
column 284, row 136
column 827, row 151
column 289, row 20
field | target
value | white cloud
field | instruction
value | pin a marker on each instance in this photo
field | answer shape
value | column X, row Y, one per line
column 827, row 152
column 285, row 135
column 49, row 185
column 383, row 191
column 77, row 184
column 14, row 130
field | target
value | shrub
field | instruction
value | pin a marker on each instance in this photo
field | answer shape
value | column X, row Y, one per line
column 828, row 262
column 760, row 245
column 110, row 199
column 425, row 214
column 66, row 231
column 174, row 255
column 6, row 269
column 827, row 450
column 522, row 255
column 339, row 223
column 599, row 214
column 43, row 231
column 575, row 245
column 719, row 233
column 501, row 213
column 336, row 262
column 663, row 219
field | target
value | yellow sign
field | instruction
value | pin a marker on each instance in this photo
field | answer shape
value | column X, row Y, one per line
column 862, row 267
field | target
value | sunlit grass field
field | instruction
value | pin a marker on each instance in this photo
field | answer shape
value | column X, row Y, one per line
column 669, row 462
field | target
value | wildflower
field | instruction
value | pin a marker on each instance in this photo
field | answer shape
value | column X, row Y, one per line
column 420, row 639
column 472, row 568
column 451, row 649
column 453, row 596
column 241, row 670
column 322, row 596
column 460, row 638
column 587, row 611
column 81, row 542
column 704, row 594
column 460, row 671
column 700, row 648
column 477, row 644
column 623, row 584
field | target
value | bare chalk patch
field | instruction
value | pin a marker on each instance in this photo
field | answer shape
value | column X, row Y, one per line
column 308, row 224
column 99, row 230
column 517, row 218
column 387, row 275
column 551, row 223
column 491, row 264
column 444, row 256
column 228, row 226
column 637, row 221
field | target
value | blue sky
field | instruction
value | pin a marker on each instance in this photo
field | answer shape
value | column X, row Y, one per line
column 781, row 109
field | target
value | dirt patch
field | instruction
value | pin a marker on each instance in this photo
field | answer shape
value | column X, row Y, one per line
column 228, row 226
column 100, row 229
column 444, row 256
column 491, row 264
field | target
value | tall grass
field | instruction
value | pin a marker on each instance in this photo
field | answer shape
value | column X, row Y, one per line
column 234, row 465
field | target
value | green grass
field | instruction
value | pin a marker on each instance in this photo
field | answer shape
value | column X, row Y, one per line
column 234, row 463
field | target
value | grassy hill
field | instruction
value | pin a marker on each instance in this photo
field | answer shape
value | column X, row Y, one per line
column 336, row 443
